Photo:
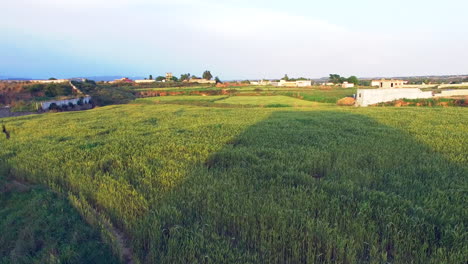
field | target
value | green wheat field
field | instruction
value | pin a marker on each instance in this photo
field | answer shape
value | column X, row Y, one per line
column 220, row 179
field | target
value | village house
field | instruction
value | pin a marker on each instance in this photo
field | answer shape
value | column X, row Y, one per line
column 388, row 83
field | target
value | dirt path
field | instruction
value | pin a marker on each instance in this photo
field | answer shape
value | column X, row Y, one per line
column 5, row 112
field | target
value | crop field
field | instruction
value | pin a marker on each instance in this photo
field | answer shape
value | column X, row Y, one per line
column 268, row 101
column 205, row 184
column 314, row 93
column 263, row 101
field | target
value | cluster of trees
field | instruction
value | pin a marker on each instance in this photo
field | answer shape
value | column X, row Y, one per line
column 185, row 77
column 50, row 89
column 286, row 78
column 105, row 94
column 336, row 78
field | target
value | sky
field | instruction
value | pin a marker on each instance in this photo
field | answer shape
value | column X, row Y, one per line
column 234, row 39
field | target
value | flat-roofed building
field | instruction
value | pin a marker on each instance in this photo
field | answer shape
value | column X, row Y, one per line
column 388, row 83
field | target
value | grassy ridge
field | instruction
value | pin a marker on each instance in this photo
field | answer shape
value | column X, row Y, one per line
column 215, row 185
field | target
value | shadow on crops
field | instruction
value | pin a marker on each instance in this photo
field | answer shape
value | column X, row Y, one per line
column 314, row 187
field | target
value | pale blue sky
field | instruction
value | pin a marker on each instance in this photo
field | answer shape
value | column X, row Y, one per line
column 234, row 39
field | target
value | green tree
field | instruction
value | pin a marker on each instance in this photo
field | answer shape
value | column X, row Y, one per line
column 174, row 79
column 52, row 78
column 207, row 75
column 218, row 80
column 160, row 78
column 151, row 77
column 353, row 79
column 185, row 76
column 364, row 82
column 286, row 78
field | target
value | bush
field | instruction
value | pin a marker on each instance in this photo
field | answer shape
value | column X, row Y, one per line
column 53, row 106
column 22, row 106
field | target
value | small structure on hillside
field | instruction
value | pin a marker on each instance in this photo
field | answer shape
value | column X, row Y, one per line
column 123, row 80
column 388, row 83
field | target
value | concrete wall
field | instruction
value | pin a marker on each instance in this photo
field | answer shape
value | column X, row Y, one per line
column 303, row 83
column 202, row 81
column 46, row 105
column 365, row 97
column 145, row 81
column 347, row 85
column 456, row 92
column 49, row 81
column 453, row 85
column 419, row 86
column 295, row 83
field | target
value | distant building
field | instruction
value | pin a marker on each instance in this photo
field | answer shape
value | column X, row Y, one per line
column 124, row 80
column 388, row 83
column 169, row 76
column 347, row 85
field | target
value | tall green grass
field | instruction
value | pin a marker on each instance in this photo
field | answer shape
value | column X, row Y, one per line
column 39, row 226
